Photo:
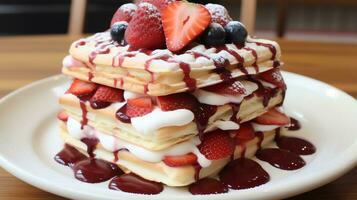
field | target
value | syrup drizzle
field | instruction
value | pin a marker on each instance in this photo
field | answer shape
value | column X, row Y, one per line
column 190, row 82
column 254, row 53
column 243, row 173
column 294, row 124
column 208, row 186
column 279, row 158
column 133, row 183
column 270, row 47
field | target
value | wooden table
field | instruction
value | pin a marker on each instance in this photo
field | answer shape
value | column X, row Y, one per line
column 26, row 59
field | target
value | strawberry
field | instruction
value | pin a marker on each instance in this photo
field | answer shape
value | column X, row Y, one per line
column 176, row 161
column 107, row 94
column 80, row 87
column 183, row 22
column 219, row 14
column 273, row 117
column 160, row 4
column 177, row 101
column 145, row 28
column 217, row 145
column 139, row 107
column 244, row 133
column 62, row 115
column 274, row 77
column 232, row 88
column 124, row 13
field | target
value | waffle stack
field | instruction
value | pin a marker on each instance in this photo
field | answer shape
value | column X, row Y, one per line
column 172, row 116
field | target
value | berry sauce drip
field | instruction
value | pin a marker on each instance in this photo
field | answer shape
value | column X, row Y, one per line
column 101, row 50
column 93, row 170
column 91, row 144
column 239, row 58
column 68, row 156
column 133, row 183
column 118, row 59
column 281, row 159
column 202, row 115
column 243, row 173
column 294, row 124
column 80, row 43
column 208, row 186
column 271, row 48
column 295, row 145
column 82, row 103
column 235, row 110
column 116, row 156
column 260, row 136
column 197, row 168
column 254, row 53
column 190, row 82
column 266, row 93
column 90, row 76
column 221, row 70
column 121, row 115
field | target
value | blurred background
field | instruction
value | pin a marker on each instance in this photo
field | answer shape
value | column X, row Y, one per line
column 326, row 20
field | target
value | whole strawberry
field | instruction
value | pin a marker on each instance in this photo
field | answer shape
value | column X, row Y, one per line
column 145, row 28
column 124, row 13
column 160, row 4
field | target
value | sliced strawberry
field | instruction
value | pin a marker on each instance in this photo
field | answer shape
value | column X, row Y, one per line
column 80, row 87
column 217, row 145
column 160, row 4
column 124, row 13
column 183, row 22
column 139, row 107
column 176, row 161
column 145, row 28
column 244, row 133
column 177, row 101
column 219, row 14
column 273, row 117
column 274, row 77
column 62, row 115
column 108, row 94
column 229, row 88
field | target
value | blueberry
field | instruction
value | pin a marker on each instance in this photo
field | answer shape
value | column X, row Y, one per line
column 117, row 31
column 236, row 32
column 214, row 35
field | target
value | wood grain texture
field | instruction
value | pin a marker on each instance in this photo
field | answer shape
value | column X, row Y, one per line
column 26, row 59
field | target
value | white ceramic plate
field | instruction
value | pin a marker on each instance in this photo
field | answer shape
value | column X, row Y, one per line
column 29, row 140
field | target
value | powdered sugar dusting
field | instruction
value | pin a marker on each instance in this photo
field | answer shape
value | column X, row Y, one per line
column 128, row 8
column 219, row 13
column 151, row 10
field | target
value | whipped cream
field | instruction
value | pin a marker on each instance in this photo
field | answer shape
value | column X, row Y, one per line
column 131, row 95
column 157, row 119
column 212, row 98
column 261, row 127
column 69, row 61
column 227, row 125
column 111, row 143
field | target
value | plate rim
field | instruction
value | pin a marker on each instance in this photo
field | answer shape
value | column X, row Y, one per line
column 321, row 177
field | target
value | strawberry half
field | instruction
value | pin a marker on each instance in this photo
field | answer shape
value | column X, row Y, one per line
column 176, row 161
column 139, row 107
column 177, row 101
column 145, row 28
column 274, row 77
column 108, row 94
column 273, row 117
column 62, row 115
column 80, row 87
column 232, row 88
column 217, row 145
column 124, row 13
column 244, row 133
column 183, row 22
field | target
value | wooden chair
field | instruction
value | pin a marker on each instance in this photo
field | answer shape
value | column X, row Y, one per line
column 78, row 9
column 77, row 17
